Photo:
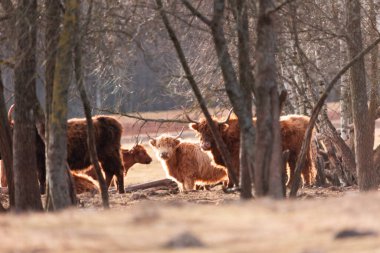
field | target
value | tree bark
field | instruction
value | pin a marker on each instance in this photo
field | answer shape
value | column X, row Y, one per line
column 27, row 193
column 57, row 171
column 237, row 97
column 247, row 134
column 268, row 139
column 364, row 137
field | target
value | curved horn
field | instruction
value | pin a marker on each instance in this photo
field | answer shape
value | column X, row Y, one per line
column 10, row 111
column 137, row 140
column 179, row 135
column 190, row 120
column 150, row 138
column 228, row 117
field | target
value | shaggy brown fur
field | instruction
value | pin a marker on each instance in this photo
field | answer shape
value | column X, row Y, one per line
column 107, row 139
column 3, row 177
column 84, row 183
column 293, row 128
column 137, row 154
column 186, row 163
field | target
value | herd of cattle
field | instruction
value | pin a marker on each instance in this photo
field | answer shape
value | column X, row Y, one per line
column 189, row 164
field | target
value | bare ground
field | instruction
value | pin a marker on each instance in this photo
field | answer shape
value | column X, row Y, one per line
column 210, row 220
column 320, row 220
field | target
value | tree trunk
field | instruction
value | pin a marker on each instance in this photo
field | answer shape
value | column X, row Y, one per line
column 57, row 171
column 239, row 95
column 27, row 193
column 247, row 134
column 53, row 20
column 5, row 146
column 364, row 137
column 268, row 139
column 374, row 86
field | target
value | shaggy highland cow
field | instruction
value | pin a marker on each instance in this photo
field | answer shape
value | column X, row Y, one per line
column 186, row 163
column 293, row 128
column 107, row 132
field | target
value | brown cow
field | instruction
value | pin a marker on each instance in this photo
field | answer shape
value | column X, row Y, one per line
column 107, row 139
column 293, row 128
column 137, row 154
column 186, row 163
column 84, row 183
column 3, row 179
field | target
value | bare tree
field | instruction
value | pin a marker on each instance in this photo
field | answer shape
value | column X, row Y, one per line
column 57, row 170
column 364, row 137
column 268, row 141
column 27, row 194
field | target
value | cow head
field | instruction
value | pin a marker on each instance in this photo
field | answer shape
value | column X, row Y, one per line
column 140, row 155
column 204, row 131
column 164, row 146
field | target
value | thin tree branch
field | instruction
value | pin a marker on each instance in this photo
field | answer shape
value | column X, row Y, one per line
column 279, row 7
column 139, row 117
column 197, row 13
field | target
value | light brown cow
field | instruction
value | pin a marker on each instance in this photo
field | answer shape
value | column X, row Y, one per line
column 3, row 177
column 186, row 163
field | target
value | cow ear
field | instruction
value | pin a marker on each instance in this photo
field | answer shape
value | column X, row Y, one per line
column 194, row 126
column 152, row 142
column 223, row 127
column 177, row 142
column 123, row 151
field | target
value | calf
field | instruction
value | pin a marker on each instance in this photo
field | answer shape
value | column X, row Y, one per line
column 293, row 128
column 137, row 154
column 186, row 163
column 84, row 183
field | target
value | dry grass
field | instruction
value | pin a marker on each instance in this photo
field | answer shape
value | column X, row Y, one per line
column 256, row 226
column 146, row 221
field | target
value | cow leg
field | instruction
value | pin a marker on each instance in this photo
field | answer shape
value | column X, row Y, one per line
column 3, row 176
column 120, row 182
column 189, row 185
column 41, row 173
column 292, row 166
column 112, row 166
column 108, row 178
column 306, row 172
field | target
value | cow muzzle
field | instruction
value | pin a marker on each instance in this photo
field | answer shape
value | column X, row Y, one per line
column 206, row 145
column 164, row 155
column 148, row 161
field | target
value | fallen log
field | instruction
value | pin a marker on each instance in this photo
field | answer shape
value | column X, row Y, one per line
column 158, row 183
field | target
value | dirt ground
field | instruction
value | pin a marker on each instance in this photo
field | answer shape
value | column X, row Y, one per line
column 320, row 220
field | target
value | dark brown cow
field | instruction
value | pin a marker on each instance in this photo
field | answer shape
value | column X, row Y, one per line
column 108, row 133
column 293, row 128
